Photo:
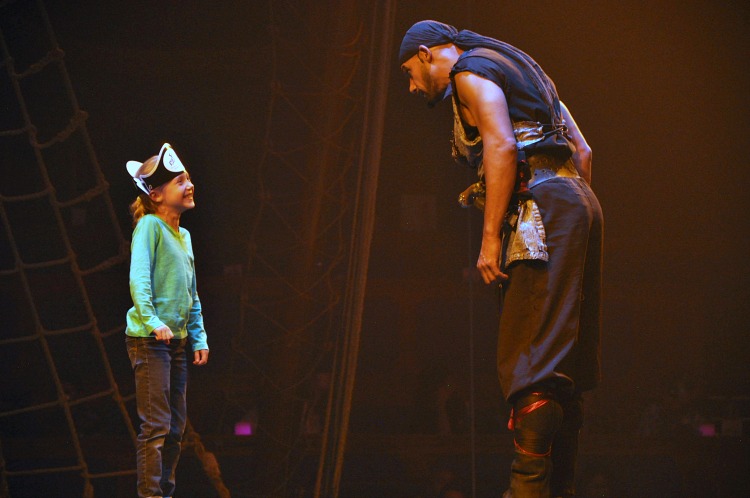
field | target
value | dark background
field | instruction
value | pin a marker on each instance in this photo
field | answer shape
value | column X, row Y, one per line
column 660, row 90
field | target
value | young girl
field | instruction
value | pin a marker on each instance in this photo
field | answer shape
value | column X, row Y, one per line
column 166, row 313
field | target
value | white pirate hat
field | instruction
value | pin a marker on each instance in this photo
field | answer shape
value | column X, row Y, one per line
column 168, row 166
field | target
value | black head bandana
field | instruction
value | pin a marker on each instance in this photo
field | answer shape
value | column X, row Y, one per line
column 427, row 33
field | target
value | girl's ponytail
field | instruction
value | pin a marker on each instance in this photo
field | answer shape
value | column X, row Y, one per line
column 140, row 207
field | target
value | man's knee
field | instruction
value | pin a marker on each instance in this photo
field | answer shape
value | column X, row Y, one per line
column 536, row 418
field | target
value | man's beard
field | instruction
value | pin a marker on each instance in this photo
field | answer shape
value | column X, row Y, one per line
column 437, row 98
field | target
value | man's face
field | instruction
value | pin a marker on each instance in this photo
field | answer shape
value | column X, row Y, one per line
column 422, row 73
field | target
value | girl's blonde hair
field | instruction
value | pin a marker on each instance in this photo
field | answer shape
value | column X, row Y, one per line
column 143, row 204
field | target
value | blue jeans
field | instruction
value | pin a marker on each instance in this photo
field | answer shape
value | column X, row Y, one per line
column 160, row 385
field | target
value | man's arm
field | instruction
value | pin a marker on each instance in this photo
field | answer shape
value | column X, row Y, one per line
column 484, row 106
column 582, row 156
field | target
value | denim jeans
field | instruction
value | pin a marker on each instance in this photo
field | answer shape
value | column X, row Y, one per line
column 160, row 385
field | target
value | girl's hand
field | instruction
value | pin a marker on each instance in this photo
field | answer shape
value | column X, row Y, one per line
column 201, row 357
column 163, row 333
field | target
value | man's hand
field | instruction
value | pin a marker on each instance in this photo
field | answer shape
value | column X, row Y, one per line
column 200, row 357
column 489, row 260
column 163, row 333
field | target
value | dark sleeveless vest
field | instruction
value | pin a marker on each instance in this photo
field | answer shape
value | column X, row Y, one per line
column 534, row 109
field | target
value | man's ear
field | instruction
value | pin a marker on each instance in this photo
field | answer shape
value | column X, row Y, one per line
column 424, row 54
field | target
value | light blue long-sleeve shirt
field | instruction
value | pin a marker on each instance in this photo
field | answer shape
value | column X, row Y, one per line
column 162, row 283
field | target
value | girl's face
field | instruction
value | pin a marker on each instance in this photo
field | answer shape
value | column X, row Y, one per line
column 176, row 195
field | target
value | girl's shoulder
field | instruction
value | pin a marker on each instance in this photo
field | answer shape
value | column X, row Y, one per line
column 149, row 223
column 145, row 221
column 149, row 218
